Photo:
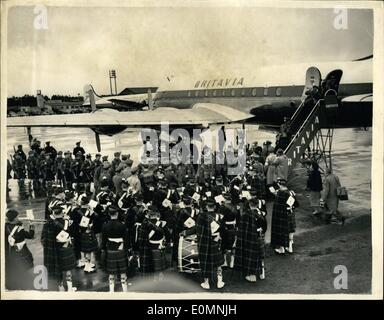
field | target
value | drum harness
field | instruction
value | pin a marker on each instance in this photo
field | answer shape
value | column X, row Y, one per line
column 88, row 213
column 118, row 241
column 261, row 214
column 159, row 242
column 290, row 208
column 66, row 242
column 216, row 235
column 11, row 240
column 120, row 203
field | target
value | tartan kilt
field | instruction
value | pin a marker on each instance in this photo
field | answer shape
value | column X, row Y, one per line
column 67, row 259
column 248, row 259
column 229, row 237
column 280, row 228
column 260, row 188
column 291, row 222
column 22, row 259
column 89, row 242
column 211, row 260
column 116, row 262
column 159, row 260
column 217, row 254
column 260, row 246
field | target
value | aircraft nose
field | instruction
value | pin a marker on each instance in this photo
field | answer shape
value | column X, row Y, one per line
column 264, row 114
column 271, row 114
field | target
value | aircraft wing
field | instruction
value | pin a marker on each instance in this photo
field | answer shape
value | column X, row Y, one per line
column 201, row 114
column 126, row 100
column 129, row 99
column 358, row 98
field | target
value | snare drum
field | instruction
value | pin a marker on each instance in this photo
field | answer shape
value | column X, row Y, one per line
column 188, row 259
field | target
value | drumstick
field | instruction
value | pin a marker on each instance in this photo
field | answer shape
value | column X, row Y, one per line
column 32, row 221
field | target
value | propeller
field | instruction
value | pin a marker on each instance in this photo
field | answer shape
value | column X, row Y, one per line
column 98, row 145
column 88, row 89
column 150, row 100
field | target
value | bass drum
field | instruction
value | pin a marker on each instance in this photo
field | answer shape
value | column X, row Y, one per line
column 188, row 259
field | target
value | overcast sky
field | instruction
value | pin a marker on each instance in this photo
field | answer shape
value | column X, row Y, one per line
column 145, row 45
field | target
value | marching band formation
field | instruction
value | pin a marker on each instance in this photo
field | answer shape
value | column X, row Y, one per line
column 151, row 217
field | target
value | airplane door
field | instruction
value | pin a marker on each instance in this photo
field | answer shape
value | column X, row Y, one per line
column 312, row 78
column 332, row 81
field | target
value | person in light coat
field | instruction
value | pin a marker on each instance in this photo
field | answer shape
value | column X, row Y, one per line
column 329, row 197
column 271, row 172
column 281, row 164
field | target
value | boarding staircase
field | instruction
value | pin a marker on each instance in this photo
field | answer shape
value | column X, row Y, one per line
column 309, row 142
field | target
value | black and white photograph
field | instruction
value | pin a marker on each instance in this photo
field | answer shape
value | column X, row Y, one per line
column 194, row 149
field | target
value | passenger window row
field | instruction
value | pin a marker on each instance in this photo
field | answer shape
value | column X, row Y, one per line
column 235, row 92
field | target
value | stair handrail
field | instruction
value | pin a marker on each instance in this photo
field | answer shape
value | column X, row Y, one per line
column 302, row 126
column 297, row 110
column 330, row 90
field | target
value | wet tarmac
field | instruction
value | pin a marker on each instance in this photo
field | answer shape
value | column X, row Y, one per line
column 351, row 162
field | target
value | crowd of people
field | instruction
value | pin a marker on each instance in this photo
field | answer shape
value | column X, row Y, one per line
column 124, row 218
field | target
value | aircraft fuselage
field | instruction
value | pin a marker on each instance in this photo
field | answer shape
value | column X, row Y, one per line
column 270, row 105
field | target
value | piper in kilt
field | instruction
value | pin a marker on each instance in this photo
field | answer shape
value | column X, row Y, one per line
column 89, row 244
column 256, row 180
column 59, row 256
column 78, row 211
column 18, row 258
column 185, row 225
column 114, row 247
column 164, row 194
column 211, row 258
column 231, row 218
column 152, row 237
column 250, row 247
column 219, row 188
column 125, row 200
column 57, row 198
column 104, row 197
column 135, row 216
column 283, row 218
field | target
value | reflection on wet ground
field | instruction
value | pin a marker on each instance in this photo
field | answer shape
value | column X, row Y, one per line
column 351, row 161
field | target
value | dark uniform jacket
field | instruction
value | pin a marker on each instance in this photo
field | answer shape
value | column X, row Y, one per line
column 250, row 242
column 17, row 252
column 114, row 230
column 153, row 235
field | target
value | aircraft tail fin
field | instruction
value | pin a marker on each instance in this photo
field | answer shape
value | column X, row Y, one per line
column 40, row 99
column 88, row 89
